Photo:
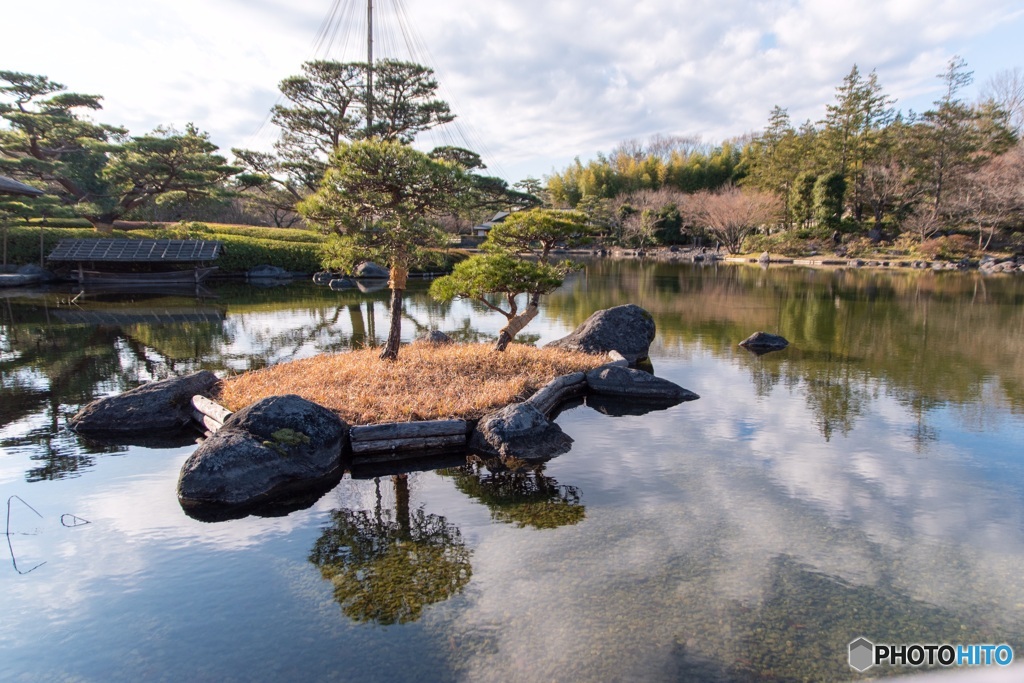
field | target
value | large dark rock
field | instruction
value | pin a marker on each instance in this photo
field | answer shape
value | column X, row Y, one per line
column 763, row 342
column 436, row 337
column 154, row 407
column 519, row 431
column 621, row 406
column 275, row 446
column 619, row 381
column 323, row 277
column 627, row 329
column 340, row 283
column 369, row 269
column 268, row 272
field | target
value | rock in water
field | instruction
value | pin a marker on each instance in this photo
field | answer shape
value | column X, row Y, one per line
column 618, row 381
column 627, row 329
column 519, row 431
column 268, row 272
column 279, row 444
column 154, row 407
column 436, row 337
column 763, row 342
column 369, row 269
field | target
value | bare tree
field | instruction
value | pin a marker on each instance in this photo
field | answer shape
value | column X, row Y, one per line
column 923, row 223
column 1006, row 91
column 887, row 186
column 994, row 194
column 730, row 214
column 664, row 146
column 643, row 214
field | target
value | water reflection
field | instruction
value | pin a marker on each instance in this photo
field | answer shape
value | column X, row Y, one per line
column 522, row 495
column 385, row 565
column 865, row 481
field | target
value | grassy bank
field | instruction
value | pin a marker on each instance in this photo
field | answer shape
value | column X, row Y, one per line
column 245, row 246
column 427, row 382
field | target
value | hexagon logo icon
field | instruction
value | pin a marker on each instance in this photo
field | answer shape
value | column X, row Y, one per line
column 862, row 654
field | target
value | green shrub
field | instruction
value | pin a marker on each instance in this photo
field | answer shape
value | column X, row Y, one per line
column 275, row 234
column 243, row 253
column 62, row 222
column 23, row 241
column 789, row 243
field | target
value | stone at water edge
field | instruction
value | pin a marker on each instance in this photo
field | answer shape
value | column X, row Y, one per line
column 154, row 407
column 276, row 445
column 619, row 381
column 763, row 342
column 519, row 431
column 369, row 269
column 627, row 329
column 436, row 337
column 268, row 272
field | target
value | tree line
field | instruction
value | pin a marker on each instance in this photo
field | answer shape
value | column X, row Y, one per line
column 865, row 170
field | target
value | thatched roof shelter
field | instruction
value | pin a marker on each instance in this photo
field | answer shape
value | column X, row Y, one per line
column 11, row 186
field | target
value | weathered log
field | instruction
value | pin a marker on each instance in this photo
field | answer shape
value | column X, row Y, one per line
column 210, row 408
column 617, row 359
column 408, row 444
column 208, row 423
column 408, row 430
column 557, row 390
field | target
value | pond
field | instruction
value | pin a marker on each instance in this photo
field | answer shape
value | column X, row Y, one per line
column 867, row 481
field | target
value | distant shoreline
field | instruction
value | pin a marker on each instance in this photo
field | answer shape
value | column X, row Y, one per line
column 991, row 265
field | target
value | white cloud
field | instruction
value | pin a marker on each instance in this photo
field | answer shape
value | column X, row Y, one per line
column 538, row 83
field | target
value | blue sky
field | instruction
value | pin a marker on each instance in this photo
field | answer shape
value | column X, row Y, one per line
column 534, row 83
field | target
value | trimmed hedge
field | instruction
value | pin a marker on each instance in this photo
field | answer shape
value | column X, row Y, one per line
column 244, row 248
column 243, row 253
column 240, row 253
column 23, row 241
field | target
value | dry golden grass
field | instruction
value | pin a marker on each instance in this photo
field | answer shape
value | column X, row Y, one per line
column 427, row 382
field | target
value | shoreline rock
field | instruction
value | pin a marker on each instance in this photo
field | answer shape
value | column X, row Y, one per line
column 154, row 407
column 764, row 342
column 627, row 329
column 278, row 444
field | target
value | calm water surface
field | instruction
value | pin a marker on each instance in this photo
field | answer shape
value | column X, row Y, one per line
column 868, row 481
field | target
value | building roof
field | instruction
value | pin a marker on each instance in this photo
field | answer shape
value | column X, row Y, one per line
column 135, row 251
column 495, row 219
column 11, row 186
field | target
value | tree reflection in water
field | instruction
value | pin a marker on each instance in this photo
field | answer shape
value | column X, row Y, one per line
column 387, row 567
column 522, row 495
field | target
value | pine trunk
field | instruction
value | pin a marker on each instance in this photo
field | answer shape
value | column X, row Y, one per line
column 514, row 326
column 390, row 351
column 397, row 282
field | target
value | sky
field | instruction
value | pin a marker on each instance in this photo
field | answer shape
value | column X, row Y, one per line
column 534, row 84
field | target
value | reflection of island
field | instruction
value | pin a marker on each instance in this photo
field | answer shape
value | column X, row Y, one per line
column 387, row 567
column 523, row 496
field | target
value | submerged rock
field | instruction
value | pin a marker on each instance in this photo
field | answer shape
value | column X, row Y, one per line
column 275, row 446
column 519, row 431
column 630, row 382
column 154, row 407
column 369, row 269
column 340, row 283
column 627, row 329
column 268, row 272
column 763, row 342
column 435, row 337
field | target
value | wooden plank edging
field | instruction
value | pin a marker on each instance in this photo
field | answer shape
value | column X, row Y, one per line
column 407, row 430
column 210, row 408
